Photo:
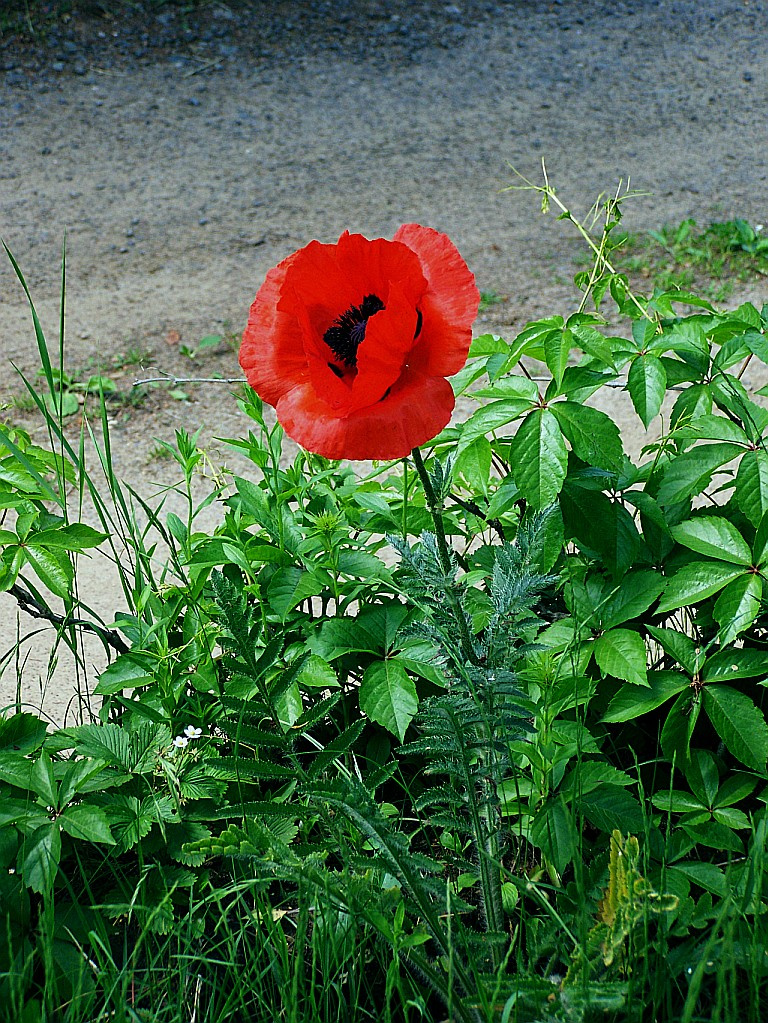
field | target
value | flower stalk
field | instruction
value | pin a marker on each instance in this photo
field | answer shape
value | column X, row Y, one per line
column 436, row 511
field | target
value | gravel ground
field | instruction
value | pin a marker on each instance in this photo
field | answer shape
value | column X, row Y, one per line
column 185, row 154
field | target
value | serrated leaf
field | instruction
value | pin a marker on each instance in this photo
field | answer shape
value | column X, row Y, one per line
column 634, row 595
column 539, row 458
column 677, row 802
column 620, row 653
column 74, row 537
column 737, row 606
column 691, row 403
column 679, row 646
column 491, row 418
column 88, row 823
column 732, row 818
column 22, row 732
column 125, row 672
column 751, row 491
column 39, row 857
column 633, row 701
column 735, row 662
column 695, row 582
column 647, row 384
column 714, row 537
column 488, row 344
column 594, row 437
column 739, row 723
column 290, row 586
column 474, row 464
column 41, row 780
column 557, row 348
column 553, row 831
column 317, row 673
column 52, row 566
column 388, row 696
column 601, row 526
column 610, row 807
column 678, row 729
column 689, row 474
column 706, row 875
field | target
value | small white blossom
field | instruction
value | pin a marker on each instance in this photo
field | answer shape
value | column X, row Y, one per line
column 180, row 741
column 193, row 733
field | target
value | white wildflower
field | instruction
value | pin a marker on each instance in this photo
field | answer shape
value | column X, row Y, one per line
column 180, row 741
column 193, row 733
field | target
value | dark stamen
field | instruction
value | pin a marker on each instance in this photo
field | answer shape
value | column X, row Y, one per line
column 335, row 369
column 419, row 320
column 347, row 332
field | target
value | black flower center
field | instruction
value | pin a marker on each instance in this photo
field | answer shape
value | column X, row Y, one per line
column 347, row 332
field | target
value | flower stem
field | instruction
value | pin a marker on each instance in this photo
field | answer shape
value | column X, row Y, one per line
column 436, row 511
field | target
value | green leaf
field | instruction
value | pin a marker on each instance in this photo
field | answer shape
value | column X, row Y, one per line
column 735, row 662
column 53, row 568
column 22, row 732
column 108, row 742
column 317, row 673
column 731, row 817
column 491, row 418
column 125, row 672
column 589, row 775
column 751, row 492
column 679, row 646
column 634, row 595
column 760, row 545
column 702, row 776
column 553, row 831
column 594, row 437
column 74, row 537
column 612, row 807
column 39, row 857
column 488, row 344
column 737, row 606
column 620, row 653
column 41, row 780
column 602, row 526
column 647, row 384
column 678, row 728
column 557, row 348
column 474, row 464
column 715, row 537
column 677, row 802
column 539, row 458
column 705, row 875
column 695, row 582
column 691, row 403
column 633, row 701
column 388, row 696
column 88, row 823
column 735, row 788
column 290, row 586
column 739, row 723
column 688, row 474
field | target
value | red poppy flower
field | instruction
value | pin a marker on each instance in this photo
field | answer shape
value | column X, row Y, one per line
column 352, row 342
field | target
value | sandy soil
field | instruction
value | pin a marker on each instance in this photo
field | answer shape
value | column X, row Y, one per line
column 183, row 155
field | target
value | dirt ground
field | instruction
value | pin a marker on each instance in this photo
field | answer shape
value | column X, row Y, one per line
column 182, row 155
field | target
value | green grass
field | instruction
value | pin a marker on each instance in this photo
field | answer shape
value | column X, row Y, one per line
column 711, row 260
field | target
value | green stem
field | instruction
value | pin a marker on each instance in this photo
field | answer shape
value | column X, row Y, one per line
column 436, row 511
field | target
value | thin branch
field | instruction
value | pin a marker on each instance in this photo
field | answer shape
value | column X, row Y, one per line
column 37, row 610
column 188, row 380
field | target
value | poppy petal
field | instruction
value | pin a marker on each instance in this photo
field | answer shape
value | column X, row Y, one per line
column 272, row 351
column 449, row 306
column 415, row 411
